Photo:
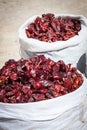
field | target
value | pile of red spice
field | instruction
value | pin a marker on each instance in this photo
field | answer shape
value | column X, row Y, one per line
column 49, row 28
column 35, row 79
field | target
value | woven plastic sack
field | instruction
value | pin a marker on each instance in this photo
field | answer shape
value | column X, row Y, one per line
column 68, row 112
column 72, row 51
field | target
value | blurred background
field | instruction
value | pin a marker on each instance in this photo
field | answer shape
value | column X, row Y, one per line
column 13, row 13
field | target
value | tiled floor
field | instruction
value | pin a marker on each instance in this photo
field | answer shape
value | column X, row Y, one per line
column 13, row 13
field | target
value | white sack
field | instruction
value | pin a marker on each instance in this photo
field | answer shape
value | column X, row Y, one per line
column 67, row 112
column 71, row 51
column 86, row 65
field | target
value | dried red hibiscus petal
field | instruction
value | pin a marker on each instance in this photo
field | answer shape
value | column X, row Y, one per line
column 37, row 79
column 49, row 28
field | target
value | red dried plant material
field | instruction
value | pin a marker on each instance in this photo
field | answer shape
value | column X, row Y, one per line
column 37, row 79
column 49, row 28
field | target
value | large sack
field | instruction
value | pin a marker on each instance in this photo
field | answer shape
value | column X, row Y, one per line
column 68, row 112
column 71, row 51
column 86, row 65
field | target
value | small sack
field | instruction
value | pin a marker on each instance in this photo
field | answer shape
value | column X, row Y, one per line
column 72, row 51
column 66, row 112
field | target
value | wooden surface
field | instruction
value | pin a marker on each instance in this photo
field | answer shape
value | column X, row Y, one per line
column 13, row 13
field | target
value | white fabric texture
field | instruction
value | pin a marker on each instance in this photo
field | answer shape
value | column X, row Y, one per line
column 68, row 112
column 72, row 51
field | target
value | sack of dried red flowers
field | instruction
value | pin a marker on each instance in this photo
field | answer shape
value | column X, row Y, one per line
column 62, row 36
column 39, row 93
